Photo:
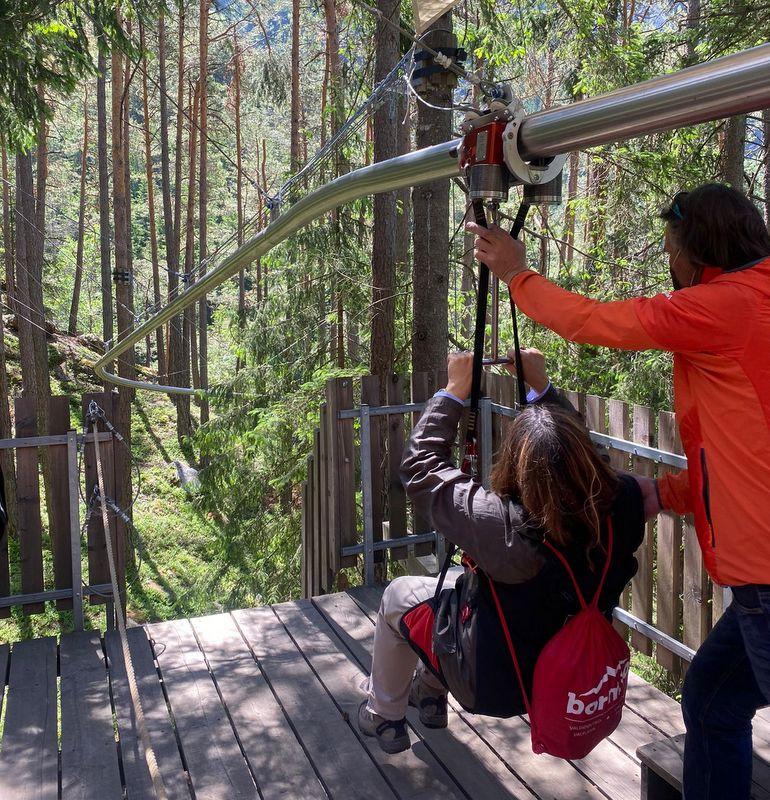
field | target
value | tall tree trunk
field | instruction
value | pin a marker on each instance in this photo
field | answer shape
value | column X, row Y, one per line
column 105, row 233
column 190, row 347
column 7, row 462
column 203, row 312
column 25, row 214
column 124, row 298
column 337, row 338
column 37, row 310
column 569, row 212
column 384, row 236
column 177, row 361
column 734, row 152
column 237, row 67
column 9, row 248
column 430, row 203
column 294, row 145
column 73, row 320
column 160, row 345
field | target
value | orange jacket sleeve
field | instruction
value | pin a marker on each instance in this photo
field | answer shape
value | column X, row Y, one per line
column 674, row 491
column 709, row 317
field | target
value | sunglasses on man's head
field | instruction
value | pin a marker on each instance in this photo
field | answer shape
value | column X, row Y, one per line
column 676, row 204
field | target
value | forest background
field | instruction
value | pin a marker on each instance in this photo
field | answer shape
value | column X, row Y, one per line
column 141, row 143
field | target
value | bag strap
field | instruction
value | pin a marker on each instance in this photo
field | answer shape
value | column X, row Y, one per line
column 595, row 602
column 509, row 642
column 504, row 624
column 444, row 569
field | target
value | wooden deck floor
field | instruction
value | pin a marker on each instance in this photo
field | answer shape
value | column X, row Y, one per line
column 262, row 703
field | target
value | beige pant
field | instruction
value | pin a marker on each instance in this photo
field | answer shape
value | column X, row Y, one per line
column 393, row 660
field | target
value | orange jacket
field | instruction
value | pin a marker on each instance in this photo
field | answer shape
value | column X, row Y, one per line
column 719, row 332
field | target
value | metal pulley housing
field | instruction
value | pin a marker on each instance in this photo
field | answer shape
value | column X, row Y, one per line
column 491, row 159
column 536, row 172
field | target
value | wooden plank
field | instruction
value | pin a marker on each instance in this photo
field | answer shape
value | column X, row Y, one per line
column 5, row 653
column 549, row 778
column 59, row 506
column 619, row 428
column 596, row 413
column 665, row 756
column 324, row 575
column 641, row 583
column 421, row 391
column 303, row 541
column 433, row 758
column 578, row 400
column 396, row 493
column 669, row 561
column 657, row 708
column 339, row 396
column 332, row 456
column 98, row 565
column 29, row 757
column 370, row 395
column 277, row 761
column 89, row 754
column 328, row 737
column 512, row 744
column 317, row 513
column 214, row 759
column 310, row 525
column 718, row 604
column 29, row 527
column 695, row 606
column 159, row 724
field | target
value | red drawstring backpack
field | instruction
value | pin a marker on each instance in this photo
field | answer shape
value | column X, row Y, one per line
column 580, row 678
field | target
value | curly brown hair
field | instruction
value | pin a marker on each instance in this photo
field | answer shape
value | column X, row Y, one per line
column 549, row 463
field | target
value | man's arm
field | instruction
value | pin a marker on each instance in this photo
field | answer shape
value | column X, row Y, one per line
column 715, row 317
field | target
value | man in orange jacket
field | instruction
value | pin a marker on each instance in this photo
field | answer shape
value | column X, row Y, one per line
column 717, row 324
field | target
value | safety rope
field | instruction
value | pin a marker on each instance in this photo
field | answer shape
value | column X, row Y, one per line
column 141, row 724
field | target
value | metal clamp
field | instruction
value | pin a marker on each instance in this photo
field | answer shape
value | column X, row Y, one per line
column 526, row 172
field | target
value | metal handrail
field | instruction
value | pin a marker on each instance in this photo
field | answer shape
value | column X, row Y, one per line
column 613, row 442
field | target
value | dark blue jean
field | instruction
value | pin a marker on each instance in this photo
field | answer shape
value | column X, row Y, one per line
column 728, row 680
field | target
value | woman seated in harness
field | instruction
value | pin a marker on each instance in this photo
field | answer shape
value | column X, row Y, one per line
column 548, row 481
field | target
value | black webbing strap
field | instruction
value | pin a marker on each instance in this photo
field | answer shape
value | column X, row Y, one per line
column 471, row 448
column 480, row 217
column 518, row 224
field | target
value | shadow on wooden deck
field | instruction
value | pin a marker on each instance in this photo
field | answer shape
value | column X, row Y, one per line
column 262, row 703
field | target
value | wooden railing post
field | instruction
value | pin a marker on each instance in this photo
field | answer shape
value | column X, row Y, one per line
column 396, row 495
column 30, row 528
column 669, row 572
column 618, row 427
column 641, row 583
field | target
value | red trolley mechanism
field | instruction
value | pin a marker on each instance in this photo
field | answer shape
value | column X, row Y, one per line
column 491, row 160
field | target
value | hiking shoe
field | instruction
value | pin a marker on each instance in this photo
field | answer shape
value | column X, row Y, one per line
column 392, row 735
column 431, row 703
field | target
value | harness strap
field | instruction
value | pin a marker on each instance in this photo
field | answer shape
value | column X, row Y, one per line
column 518, row 225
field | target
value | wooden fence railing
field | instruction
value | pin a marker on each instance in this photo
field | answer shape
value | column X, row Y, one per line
column 45, row 562
column 355, row 510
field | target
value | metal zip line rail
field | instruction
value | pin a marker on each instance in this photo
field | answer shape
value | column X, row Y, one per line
column 731, row 85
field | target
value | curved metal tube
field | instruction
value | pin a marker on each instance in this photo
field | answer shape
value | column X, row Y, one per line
column 425, row 165
column 726, row 86
column 734, row 84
